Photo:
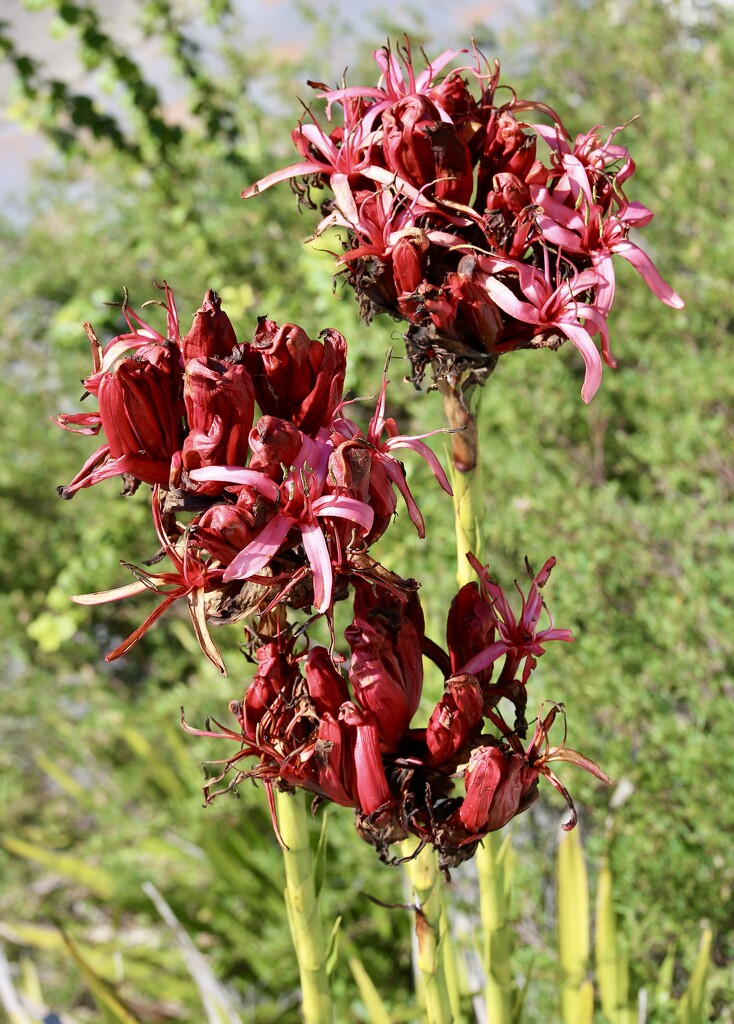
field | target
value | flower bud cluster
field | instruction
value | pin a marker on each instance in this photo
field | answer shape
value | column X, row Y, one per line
column 350, row 738
column 250, row 512
column 263, row 516
column 484, row 231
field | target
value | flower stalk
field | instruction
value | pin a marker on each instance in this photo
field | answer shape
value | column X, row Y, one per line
column 492, row 862
column 494, row 850
column 431, row 929
column 301, row 900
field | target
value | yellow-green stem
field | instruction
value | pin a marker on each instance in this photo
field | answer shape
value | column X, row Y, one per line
column 468, row 503
column 303, row 909
column 495, row 928
column 431, row 931
column 467, row 488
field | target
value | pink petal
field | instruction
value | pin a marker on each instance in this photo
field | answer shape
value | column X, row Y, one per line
column 510, row 303
column 606, row 281
column 342, row 507
column 581, row 339
column 579, row 176
column 345, row 199
column 260, row 550
column 415, row 444
column 426, row 76
column 238, row 475
column 385, row 177
column 636, row 215
column 484, row 659
column 321, row 141
column 395, row 473
column 649, row 273
column 317, row 553
column 551, row 135
column 292, row 171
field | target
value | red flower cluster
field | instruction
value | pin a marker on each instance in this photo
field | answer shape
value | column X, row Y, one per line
column 349, row 739
column 258, row 515
column 456, row 223
column 280, row 511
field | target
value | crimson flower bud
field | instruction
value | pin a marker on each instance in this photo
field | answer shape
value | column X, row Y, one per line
column 275, row 674
column 223, row 531
column 326, row 686
column 350, row 468
column 470, row 628
column 211, row 334
column 387, row 669
column 425, row 150
column 454, row 719
column 220, row 403
column 409, row 256
column 481, row 315
column 332, row 764
column 509, row 193
column 274, row 443
column 295, row 378
column 139, row 408
column 370, row 781
column 506, row 149
column 453, row 96
column 499, row 785
column 140, row 413
column 454, row 174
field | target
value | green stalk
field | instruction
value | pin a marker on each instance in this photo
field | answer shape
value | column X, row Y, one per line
column 431, row 931
column 492, row 855
column 491, row 860
column 577, row 992
column 467, row 488
column 303, row 910
column 453, row 979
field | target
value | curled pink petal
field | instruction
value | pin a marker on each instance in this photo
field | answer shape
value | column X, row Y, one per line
column 260, row 550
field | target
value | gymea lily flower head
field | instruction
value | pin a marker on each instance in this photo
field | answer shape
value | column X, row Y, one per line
column 270, row 519
column 349, row 736
column 433, row 166
column 250, row 515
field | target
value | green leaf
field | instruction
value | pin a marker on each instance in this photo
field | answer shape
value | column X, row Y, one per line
column 332, row 947
column 63, row 780
column 370, row 996
column 664, row 984
column 215, row 999
column 96, row 879
column 612, row 966
column 319, row 864
column 51, row 630
column 103, row 993
column 9, row 997
column 692, row 1003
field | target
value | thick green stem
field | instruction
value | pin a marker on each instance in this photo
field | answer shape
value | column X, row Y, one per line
column 431, row 931
column 491, row 859
column 492, row 855
column 303, row 909
column 467, row 488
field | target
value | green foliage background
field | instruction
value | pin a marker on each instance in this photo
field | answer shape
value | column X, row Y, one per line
column 632, row 494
